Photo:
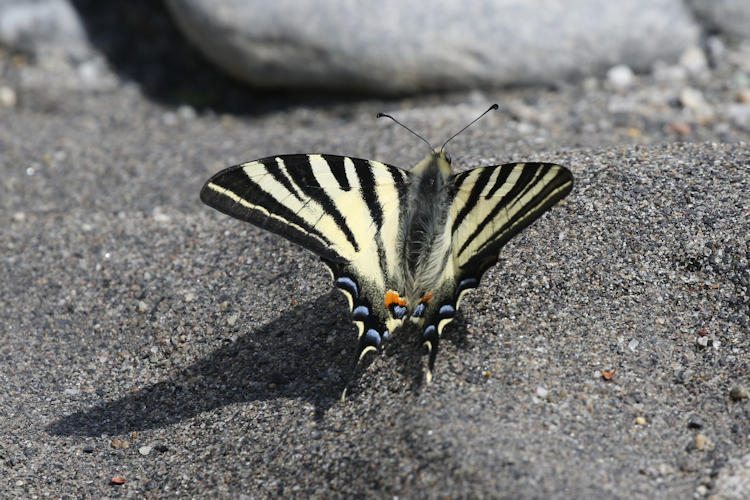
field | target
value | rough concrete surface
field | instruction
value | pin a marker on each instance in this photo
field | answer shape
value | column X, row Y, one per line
column 148, row 340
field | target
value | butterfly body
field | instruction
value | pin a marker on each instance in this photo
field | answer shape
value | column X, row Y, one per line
column 425, row 246
column 399, row 244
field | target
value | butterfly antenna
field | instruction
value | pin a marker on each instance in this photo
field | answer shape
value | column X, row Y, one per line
column 493, row 107
column 381, row 115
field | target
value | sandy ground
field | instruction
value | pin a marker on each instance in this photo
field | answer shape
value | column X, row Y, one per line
column 147, row 337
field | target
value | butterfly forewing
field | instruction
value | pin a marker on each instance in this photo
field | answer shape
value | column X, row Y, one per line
column 488, row 214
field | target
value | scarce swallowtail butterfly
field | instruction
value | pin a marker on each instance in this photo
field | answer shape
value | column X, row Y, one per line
column 400, row 244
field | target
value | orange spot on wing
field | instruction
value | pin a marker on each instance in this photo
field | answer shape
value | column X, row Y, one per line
column 392, row 297
column 427, row 297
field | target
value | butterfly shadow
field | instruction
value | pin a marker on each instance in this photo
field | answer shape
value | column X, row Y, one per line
column 275, row 360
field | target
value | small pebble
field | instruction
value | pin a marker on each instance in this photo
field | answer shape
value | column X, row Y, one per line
column 695, row 422
column 231, row 320
column 89, row 72
column 668, row 73
column 169, row 119
column 590, row 84
column 633, row 344
column 620, row 77
column 694, row 60
column 186, row 112
column 738, row 393
column 701, row 441
column 144, row 450
column 739, row 114
column 542, row 392
column 189, row 297
column 142, row 306
column 743, row 96
column 88, row 449
column 640, row 421
column 8, row 97
column 117, row 480
column 162, row 217
column 679, row 128
column 693, row 100
column 702, row 341
column 19, row 217
column 715, row 48
column 665, row 469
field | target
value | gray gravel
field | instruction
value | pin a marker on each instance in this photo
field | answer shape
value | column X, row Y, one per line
column 149, row 339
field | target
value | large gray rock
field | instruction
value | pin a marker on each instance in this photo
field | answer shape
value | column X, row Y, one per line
column 730, row 17
column 35, row 26
column 392, row 46
column 52, row 33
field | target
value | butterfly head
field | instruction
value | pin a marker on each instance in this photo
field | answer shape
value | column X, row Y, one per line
column 443, row 161
column 437, row 161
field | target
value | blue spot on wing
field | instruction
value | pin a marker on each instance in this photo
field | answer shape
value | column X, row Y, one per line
column 399, row 312
column 446, row 311
column 360, row 313
column 348, row 284
column 430, row 332
column 419, row 310
column 466, row 283
column 372, row 337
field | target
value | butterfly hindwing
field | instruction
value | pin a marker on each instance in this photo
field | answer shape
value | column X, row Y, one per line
column 346, row 210
column 490, row 205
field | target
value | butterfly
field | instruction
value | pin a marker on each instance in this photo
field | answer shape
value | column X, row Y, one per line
column 402, row 245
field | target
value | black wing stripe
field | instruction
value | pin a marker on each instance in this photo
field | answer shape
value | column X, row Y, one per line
column 460, row 178
column 537, row 172
column 400, row 180
column 367, row 190
column 484, row 176
column 553, row 192
column 545, row 198
column 367, row 186
column 525, row 181
column 272, row 167
column 336, row 164
column 252, row 204
column 308, row 184
column 502, row 177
